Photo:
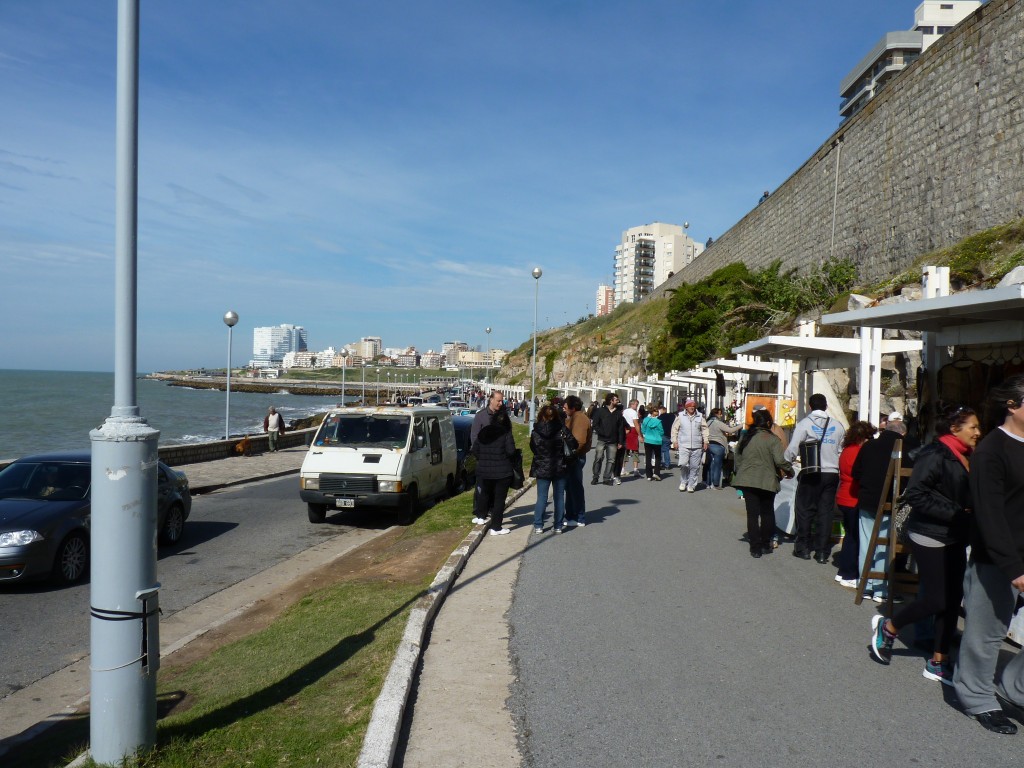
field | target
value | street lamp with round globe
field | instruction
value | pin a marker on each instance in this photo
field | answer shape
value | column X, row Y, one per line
column 537, row 272
column 230, row 320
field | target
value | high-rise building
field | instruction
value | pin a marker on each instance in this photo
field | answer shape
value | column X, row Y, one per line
column 898, row 50
column 605, row 300
column 648, row 256
column 271, row 343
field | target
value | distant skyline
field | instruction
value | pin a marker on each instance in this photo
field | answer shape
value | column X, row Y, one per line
column 393, row 170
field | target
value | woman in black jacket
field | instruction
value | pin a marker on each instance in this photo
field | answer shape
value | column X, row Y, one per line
column 548, row 466
column 494, row 448
column 939, row 497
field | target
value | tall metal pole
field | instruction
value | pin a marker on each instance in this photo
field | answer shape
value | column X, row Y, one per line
column 230, row 318
column 344, row 360
column 537, row 272
column 124, row 631
column 364, row 384
column 487, row 330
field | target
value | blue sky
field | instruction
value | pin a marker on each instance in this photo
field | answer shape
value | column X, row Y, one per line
column 390, row 169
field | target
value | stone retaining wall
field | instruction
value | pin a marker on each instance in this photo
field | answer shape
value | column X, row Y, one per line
column 936, row 156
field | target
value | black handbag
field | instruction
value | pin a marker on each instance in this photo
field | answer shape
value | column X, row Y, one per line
column 518, row 478
column 810, row 453
column 569, row 444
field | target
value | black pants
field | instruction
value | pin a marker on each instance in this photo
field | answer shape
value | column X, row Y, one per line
column 652, row 466
column 492, row 499
column 939, row 593
column 815, row 507
column 760, row 517
column 849, row 555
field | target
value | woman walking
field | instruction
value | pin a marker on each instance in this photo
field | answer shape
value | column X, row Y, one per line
column 719, row 433
column 494, row 448
column 653, row 432
column 759, row 462
column 548, row 466
column 846, row 499
column 939, row 497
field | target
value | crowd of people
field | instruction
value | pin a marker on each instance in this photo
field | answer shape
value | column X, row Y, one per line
column 965, row 495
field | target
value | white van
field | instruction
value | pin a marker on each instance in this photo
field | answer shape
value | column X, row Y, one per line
column 388, row 457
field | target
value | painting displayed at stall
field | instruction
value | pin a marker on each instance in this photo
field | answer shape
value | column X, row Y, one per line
column 782, row 409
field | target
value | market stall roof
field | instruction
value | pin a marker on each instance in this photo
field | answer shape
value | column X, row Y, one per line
column 972, row 317
column 731, row 365
column 818, row 352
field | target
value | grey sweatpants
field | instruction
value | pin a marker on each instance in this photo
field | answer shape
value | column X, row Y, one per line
column 989, row 599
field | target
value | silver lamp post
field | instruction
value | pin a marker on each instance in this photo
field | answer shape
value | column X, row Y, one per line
column 487, row 377
column 537, row 272
column 230, row 320
column 363, row 398
column 344, row 365
column 376, row 390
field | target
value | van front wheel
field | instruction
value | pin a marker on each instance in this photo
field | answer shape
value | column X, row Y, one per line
column 317, row 512
column 407, row 510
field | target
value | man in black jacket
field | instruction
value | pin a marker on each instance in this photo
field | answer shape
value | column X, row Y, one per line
column 610, row 428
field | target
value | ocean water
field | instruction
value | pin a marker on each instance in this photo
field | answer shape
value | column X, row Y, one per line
column 54, row 410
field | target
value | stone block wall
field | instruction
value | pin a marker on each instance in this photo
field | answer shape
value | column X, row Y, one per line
column 936, row 156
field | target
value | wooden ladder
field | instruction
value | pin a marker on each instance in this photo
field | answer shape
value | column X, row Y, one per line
column 897, row 581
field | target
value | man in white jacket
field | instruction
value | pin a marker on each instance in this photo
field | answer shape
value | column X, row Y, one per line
column 816, row 490
column 690, row 438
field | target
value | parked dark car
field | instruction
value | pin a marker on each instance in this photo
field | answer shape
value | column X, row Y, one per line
column 465, row 470
column 44, row 515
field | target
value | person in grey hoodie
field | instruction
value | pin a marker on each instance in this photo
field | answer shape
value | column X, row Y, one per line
column 816, row 490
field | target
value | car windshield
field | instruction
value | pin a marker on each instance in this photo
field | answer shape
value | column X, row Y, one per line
column 50, row 480
column 364, row 431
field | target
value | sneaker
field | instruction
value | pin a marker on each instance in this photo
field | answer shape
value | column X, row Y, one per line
column 478, row 521
column 559, row 530
column 595, row 481
column 538, row 530
column 682, row 487
column 881, row 640
column 580, row 524
column 847, row 583
column 941, row 671
column 570, row 524
column 658, row 478
column 500, row 532
column 690, row 490
column 881, row 597
column 624, row 473
column 617, row 481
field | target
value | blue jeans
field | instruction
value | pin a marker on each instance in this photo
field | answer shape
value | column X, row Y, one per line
column 717, row 452
column 575, row 502
column 543, row 484
column 666, row 453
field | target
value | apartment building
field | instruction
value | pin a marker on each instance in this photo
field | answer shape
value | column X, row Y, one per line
column 898, row 50
column 271, row 343
column 648, row 256
column 605, row 302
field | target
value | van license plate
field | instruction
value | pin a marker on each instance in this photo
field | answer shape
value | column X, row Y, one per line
column 344, row 502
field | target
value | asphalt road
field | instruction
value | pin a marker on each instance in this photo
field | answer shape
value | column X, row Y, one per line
column 652, row 638
column 230, row 536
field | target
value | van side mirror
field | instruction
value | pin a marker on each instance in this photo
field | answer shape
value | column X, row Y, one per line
column 420, row 442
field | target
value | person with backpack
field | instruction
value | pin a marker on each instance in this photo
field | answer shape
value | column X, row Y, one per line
column 816, row 485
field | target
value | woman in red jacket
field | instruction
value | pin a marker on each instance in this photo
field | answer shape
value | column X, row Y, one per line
column 846, row 499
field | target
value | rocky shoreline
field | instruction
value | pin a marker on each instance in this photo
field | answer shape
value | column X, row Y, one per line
column 254, row 385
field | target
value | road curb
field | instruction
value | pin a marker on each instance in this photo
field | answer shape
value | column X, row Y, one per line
column 199, row 490
column 381, row 738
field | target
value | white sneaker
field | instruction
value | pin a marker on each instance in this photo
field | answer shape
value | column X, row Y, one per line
column 581, row 524
column 847, row 583
column 617, row 481
column 682, row 487
column 570, row 524
column 690, row 490
column 478, row 521
column 538, row 530
column 500, row 532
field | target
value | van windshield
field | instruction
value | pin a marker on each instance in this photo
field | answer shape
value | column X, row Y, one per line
column 364, row 431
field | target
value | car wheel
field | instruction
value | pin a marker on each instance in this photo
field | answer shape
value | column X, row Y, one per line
column 72, row 561
column 407, row 511
column 174, row 525
column 463, row 482
column 317, row 512
column 450, row 487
